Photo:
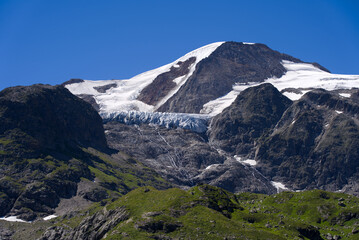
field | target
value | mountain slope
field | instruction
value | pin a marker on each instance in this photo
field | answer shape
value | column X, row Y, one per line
column 314, row 143
column 54, row 156
column 306, row 144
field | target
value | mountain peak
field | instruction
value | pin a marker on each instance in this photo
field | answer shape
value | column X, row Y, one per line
column 207, row 80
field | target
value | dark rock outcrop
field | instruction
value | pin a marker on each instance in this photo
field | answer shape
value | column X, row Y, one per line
column 255, row 111
column 103, row 89
column 314, row 145
column 91, row 100
column 93, row 227
column 164, row 83
column 42, row 128
column 52, row 116
column 71, row 81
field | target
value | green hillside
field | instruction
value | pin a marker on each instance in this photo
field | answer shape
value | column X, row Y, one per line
column 206, row 212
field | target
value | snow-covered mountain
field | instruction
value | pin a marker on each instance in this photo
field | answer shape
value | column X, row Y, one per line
column 122, row 95
column 204, row 82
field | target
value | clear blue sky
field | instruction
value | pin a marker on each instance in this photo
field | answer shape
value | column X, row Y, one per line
column 51, row 41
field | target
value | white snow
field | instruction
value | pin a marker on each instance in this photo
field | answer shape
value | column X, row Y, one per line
column 49, row 217
column 248, row 43
column 346, row 95
column 299, row 75
column 339, row 112
column 279, row 186
column 211, row 166
column 13, row 219
column 250, row 162
column 216, row 106
column 238, row 158
column 294, row 96
column 122, row 98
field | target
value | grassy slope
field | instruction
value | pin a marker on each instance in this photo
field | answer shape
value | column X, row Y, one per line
column 206, row 212
column 58, row 171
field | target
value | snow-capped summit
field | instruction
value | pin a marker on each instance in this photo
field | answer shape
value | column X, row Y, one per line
column 121, row 95
column 207, row 80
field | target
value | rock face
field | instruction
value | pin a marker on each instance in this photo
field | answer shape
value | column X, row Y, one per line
column 52, row 116
column 255, row 111
column 315, row 143
column 309, row 143
column 40, row 124
column 185, row 158
column 229, row 64
column 53, row 147
column 164, row 83
column 91, row 228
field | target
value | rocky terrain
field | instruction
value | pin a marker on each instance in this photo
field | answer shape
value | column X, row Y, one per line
column 54, row 155
column 314, row 145
column 185, row 158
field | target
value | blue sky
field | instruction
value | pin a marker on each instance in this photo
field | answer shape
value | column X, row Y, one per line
column 44, row 41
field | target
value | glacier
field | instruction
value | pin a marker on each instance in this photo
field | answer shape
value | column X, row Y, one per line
column 194, row 122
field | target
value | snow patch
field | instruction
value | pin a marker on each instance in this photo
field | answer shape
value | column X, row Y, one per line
column 339, row 112
column 211, row 166
column 248, row 43
column 294, row 96
column 346, row 95
column 49, row 217
column 216, row 106
column 13, row 219
column 307, row 76
column 279, row 186
column 250, row 162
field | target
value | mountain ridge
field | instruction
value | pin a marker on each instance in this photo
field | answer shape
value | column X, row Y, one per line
column 243, row 65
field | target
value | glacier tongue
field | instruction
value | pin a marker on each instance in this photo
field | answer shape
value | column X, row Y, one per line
column 194, row 122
